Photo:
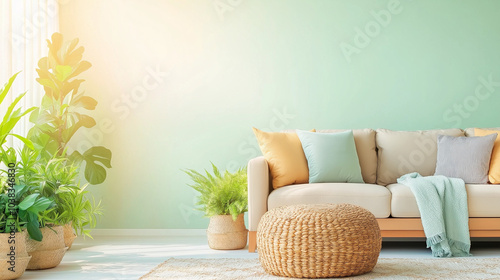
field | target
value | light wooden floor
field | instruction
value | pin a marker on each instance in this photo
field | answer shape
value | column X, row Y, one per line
column 132, row 256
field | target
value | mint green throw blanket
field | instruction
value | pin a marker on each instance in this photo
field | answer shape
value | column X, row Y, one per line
column 442, row 202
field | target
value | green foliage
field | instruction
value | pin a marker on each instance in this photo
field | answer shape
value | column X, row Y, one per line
column 221, row 194
column 79, row 210
column 63, row 109
column 17, row 206
column 55, row 181
column 59, row 182
column 12, row 115
column 20, row 205
column 27, row 209
column 47, row 187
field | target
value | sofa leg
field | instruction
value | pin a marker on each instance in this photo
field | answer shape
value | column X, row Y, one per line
column 252, row 241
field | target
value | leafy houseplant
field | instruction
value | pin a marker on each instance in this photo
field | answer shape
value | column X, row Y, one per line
column 18, row 206
column 62, row 113
column 18, row 209
column 48, row 249
column 63, row 109
column 72, row 205
column 223, row 198
column 12, row 238
column 22, row 210
column 58, row 181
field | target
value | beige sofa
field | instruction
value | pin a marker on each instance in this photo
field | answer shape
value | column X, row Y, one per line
column 384, row 156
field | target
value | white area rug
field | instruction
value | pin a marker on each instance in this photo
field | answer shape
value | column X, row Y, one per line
column 397, row 268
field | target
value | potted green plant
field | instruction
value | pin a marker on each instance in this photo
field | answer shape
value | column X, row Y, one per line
column 63, row 113
column 19, row 203
column 18, row 209
column 223, row 198
column 10, row 229
column 46, row 247
column 56, row 181
column 64, row 108
column 73, row 209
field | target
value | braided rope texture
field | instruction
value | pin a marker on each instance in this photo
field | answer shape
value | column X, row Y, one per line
column 318, row 241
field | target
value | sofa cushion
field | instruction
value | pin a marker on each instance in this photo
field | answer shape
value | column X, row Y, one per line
column 331, row 157
column 402, row 152
column 366, row 150
column 285, row 157
column 482, row 201
column 467, row 158
column 494, row 172
column 374, row 198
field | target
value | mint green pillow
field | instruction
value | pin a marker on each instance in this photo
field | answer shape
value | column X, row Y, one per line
column 331, row 157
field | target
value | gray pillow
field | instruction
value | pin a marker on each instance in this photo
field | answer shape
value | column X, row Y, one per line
column 467, row 158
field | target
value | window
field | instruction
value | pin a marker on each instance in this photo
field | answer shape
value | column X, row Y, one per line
column 26, row 25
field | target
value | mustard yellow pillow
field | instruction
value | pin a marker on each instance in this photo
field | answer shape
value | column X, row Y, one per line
column 494, row 173
column 285, row 157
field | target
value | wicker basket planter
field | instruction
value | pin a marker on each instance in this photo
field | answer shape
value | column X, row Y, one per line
column 318, row 241
column 69, row 235
column 225, row 234
column 49, row 252
column 20, row 257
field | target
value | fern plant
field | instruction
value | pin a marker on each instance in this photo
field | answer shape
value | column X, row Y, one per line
column 220, row 194
column 55, row 181
column 60, row 183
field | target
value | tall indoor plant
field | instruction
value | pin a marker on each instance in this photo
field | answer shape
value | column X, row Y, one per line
column 223, row 198
column 64, row 109
column 62, row 113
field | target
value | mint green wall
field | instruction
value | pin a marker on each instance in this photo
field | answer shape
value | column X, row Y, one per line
column 228, row 65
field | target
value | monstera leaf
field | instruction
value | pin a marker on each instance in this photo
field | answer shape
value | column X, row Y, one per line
column 95, row 158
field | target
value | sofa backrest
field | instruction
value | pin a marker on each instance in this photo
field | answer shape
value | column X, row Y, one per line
column 470, row 131
column 385, row 155
column 366, row 149
column 401, row 152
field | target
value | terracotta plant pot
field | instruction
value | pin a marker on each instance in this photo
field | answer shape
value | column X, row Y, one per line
column 49, row 252
column 69, row 235
column 225, row 234
column 20, row 257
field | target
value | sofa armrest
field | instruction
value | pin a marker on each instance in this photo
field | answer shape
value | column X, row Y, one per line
column 258, row 190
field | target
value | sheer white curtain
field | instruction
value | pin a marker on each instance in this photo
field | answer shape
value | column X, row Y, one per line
column 25, row 27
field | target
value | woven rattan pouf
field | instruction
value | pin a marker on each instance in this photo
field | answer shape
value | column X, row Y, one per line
column 318, row 241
